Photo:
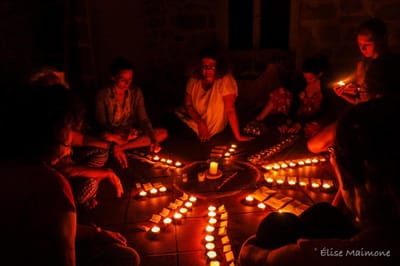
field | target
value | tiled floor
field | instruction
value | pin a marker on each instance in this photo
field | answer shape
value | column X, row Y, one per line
column 183, row 244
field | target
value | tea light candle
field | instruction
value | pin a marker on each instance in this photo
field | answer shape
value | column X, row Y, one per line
column 211, row 254
column 315, row 182
column 156, row 158
column 261, row 205
column 178, row 164
column 188, row 204
column 214, row 263
column 210, row 228
column 177, row 216
column 155, row 229
column 292, row 164
column 234, row 146
column 300, row 163
column 341, row 83
column 303, row 181
column 276, row 166
column 192, row 199
column 212, row 221
column 183, row 210
column 231, row 150
column 268, row 167
column 249, row 199
column 142, row 193
column 169, row 161
column 210, row 246
column 212, row 214
column 163, row 160
column 212, row 208
column 162, row 189
column 308, row 161
column 167, row 221
column 284, row 165
column 213, row 168
column 280, row 180
column 153, row 191
column 314, row 160
column 327, row 184
column 292, row 180
column 269, row 180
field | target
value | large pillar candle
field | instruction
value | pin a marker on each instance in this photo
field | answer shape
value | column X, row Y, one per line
column 213, row 168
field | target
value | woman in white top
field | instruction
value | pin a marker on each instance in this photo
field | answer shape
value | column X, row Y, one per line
column 210, row 100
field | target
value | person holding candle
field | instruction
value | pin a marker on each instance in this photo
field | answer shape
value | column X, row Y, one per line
column 121, row 114
column 209, row 103
column 365, row 159
column 375, row 76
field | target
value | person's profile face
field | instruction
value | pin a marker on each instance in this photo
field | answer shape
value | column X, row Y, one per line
column 124, row 79
column 208, row 66
column 367, row 46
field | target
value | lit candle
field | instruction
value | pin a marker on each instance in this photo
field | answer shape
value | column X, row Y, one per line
column 292, row 164
column 327, row 184
column 210, row 228
column 249, row 199
column 261, row 205
column 183, row 210
column 156, row 158
column 341, row 83
column 162, row 189
column 209, row 238
column 214, row 263
column 303, row 181
column 177, row 216
column 212, row 208
column 269, row 180
column 142, row 193
column 280, row 180
column 301, row 163
column 307, row 161
column 213, row 168
column 227, row 154
column 292, row 180
column 169, row 161
column 188, row 204
column 284, row 165
column 210, row 246
column 167, row 221
column 155, row 229
column 231, row 150
column 163, row 160
column 212, row 214
column 212, row 221
column 211, row 254
column 315, row 182
column 178, row 164
column 268, row 167
column 192, row 199
column 153, row 191
column 315, row 160
column 276, row 166
column 234, row 146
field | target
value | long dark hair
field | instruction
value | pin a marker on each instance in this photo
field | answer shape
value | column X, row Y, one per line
column 222, row 67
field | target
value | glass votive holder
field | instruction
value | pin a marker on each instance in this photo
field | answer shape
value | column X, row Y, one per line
column 212, row 221
column 209, row 238
column 211, row 254
column 210, row 228
column 210, row 246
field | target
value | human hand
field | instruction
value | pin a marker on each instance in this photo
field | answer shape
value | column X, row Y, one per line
column 120, row 155
column 204, row 135
column 155, row 147
column 114, row 179
column 109, row 236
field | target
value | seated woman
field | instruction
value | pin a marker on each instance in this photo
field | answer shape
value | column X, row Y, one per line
column 210, row 100
column 121, row 113
column 365, row 162
column 38, row 199
column 375, row 76
column 82, row 163
column 304, row 106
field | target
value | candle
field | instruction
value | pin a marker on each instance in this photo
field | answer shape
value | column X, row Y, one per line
column 327, row 184
column 212, row 221
column 231, row 150
column 210, row 228
column 163, row 160
column 261, row 205
column 303, row 181
column 284, row 165
column 227, row 154
column 315, row 182
column 234, row 146
column 167, row 220
column 212, row 208
column 212, row 214
column 156, row 158
column 307, row 161
column 280, row 180
column 188, row 204
column 177, row 216
column 270, row 180
column 315, row 160
column 249, row 199
column 292, row 164
column 211, row 254
column 213, row 168
column 192, row 199
column 209, row 238
column 162, row 189
column 153, row 191
column 341, row 83
column 301, row 163
column 155, row 229
column 210, row 246
column 214, row 263
column 169, row 161
column 183, row 210
column 292, row 180
column 178, row 164
column 276, row 166
column 142, row 193
column 268, row 167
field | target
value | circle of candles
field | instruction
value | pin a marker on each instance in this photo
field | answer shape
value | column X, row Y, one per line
column 212, row 221
column 249, row 198
column 156, row 158
column 210, row 228
column 169, row 161
column 142, row 193
column 153, row 191
column 178, row 164
column 261, row 205
column 209, row 238
column 177, row 216
column 167, row 220
column 211, row 254
column 155, row 229
column 212, row 208
column 214, row 263
column 188, row 204
column 212, row 214
column 162, row 189
column 210, row 246
column 183, row 210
